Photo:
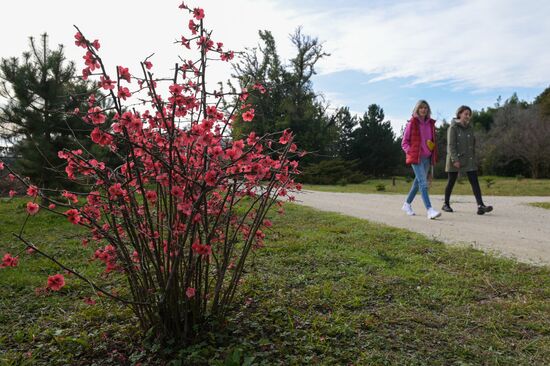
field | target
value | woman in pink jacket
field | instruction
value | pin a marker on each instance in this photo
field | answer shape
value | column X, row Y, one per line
column 421, row 150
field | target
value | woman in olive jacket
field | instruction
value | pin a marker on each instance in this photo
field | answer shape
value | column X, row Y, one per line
column 461, row 157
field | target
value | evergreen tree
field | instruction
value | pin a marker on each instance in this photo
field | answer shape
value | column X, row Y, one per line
column 375, row 145
column 543, row 101
column 290, row 101
column 346, row 123
column 41, row 92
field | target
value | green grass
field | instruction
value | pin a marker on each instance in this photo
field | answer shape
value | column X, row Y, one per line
column 545, row 205
column 490, row 186
column 327, row 289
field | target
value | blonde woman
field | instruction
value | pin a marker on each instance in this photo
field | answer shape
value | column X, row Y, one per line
column 421, row 151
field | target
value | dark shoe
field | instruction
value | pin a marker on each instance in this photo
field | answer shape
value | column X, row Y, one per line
column 482, row 209
column 447, row 208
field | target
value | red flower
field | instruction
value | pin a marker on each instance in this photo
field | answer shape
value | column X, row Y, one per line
column 89, row 301
column 200, row 249
column 210, row 178
column 248, row 115
column 12, row 193
column 115, row 191
column 124, row 93
column 259, row 87
column 80, row 41
column 1, row 165
column 227, row 56
column 51, row 206
column 190, row 292
column 56, row 282
column 177, row 191
column 32, row 191
column 100, row 137
column 95, row 44
column 70, row 196
column 123, row 73
column 198, row 13
column 96, row 116
column 73, row 216
column 32, row 208
column 9, row 261
column 106, row 83
column 193, row 27
column 151, row 196
column 285, row 137
column 148, row 65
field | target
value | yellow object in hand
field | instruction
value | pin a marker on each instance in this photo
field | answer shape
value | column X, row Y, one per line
column 430, row 144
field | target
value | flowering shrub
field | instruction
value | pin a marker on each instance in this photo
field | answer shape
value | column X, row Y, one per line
column 179, row 217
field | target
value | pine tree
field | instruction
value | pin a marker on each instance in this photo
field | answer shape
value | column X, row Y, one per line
column 375, row 145
column 346, row 123
column 290, row 101
column 41, row 92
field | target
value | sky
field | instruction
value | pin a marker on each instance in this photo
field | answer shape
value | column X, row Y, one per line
column 387, row 52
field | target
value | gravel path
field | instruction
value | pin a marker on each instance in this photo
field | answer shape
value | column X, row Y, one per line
column 514, row 229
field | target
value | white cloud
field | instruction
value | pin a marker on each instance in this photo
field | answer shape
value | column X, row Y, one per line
column 472, row 44
column 482, row 44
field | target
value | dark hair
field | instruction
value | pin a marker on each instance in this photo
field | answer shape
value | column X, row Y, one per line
column 461, row 109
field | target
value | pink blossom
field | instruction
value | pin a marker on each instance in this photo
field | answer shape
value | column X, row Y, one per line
column 190, row 292
column 198, row 13
column 9, row 261
column 70, row 196
column 32, row 208
column 248, row 115
column 79, row 40
column 151, row 196
column 227, row 56
column 73, row 215
column 96, row 115
column 193, row 27
column 106, row 83
column 124, row 93
column 285, row 138
column 55, row 282
column 123, row 73
column 32, row 191
column 89, row 301
column 12, row 193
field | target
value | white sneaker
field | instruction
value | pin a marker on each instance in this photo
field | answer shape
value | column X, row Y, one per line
column 408, row 209
column 433, row 214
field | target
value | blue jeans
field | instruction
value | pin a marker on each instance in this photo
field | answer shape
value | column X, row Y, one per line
column 420, row 182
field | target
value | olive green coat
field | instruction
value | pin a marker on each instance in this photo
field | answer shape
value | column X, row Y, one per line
column 461, row 146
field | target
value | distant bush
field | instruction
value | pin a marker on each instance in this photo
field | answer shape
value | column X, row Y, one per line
column 380, row 187
column 489, row 182
column 335, row 171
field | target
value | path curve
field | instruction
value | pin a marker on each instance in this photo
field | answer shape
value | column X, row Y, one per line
column 514, row 229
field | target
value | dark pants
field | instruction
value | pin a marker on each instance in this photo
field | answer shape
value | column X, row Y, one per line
column 474, row 182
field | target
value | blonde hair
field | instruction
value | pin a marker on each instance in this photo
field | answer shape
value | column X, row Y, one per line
column 420, row 103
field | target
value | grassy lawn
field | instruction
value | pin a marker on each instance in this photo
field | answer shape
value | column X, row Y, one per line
column 327, row 289
column 490, row 186
column 545, row 205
